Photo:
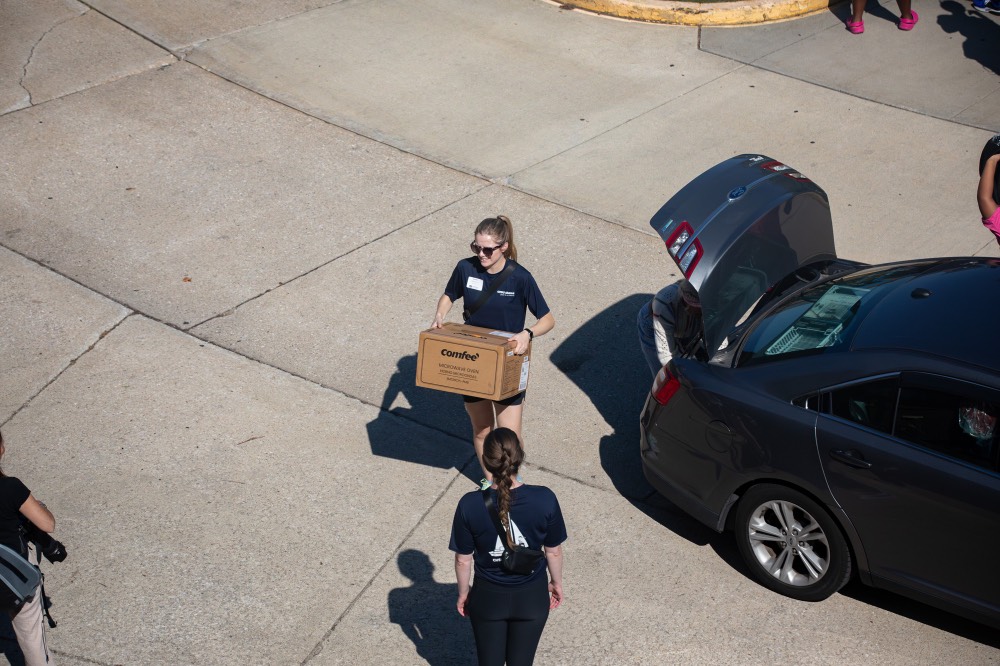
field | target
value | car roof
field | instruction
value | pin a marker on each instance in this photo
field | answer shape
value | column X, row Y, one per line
column 951, row 310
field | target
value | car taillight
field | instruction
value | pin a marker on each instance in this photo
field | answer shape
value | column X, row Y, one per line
column 689, row 259
column 664, row 386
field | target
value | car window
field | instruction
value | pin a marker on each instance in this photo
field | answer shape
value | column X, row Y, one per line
column 958, row 426
column 821, row 319
column 871, row 404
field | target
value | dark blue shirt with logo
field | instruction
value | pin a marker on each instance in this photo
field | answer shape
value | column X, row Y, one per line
column 537, row 521
column 504, row 311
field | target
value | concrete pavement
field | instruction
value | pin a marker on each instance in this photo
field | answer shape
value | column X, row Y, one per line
column 223, row 228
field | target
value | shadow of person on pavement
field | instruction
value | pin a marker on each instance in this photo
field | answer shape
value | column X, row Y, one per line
column 402, row 402
column 604, row 360
column 426, row 613
column 981, row 33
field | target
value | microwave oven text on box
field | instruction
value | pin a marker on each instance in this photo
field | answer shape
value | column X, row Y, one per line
column 472, row 361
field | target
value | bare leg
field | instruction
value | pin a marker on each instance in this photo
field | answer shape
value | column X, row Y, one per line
column 858, row 7
column 481, row 415
column 904, row 9
column 509, row 416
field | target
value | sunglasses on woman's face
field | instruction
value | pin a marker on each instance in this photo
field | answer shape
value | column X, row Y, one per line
column 488, row 251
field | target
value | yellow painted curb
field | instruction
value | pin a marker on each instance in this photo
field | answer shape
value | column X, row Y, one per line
column 702, row 13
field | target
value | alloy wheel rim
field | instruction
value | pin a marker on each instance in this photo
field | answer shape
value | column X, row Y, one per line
column 788, row 543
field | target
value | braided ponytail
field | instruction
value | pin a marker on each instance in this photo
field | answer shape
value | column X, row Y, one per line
column 502, row 456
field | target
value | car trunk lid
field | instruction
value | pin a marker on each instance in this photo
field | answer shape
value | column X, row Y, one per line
column 740, row 227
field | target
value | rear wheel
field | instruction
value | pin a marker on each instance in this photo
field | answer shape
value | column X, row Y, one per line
column 791, row 544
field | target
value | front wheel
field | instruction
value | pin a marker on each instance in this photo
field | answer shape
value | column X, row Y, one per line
column 791, row 544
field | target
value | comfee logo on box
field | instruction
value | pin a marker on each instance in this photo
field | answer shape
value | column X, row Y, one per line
column 459, row 354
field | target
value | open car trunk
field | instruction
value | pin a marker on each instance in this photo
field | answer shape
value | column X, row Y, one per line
column 739, row 228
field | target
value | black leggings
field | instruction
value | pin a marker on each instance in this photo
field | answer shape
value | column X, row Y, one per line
column 508, row 621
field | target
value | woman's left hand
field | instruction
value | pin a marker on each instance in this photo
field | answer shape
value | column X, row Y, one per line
column 555, row 595
column 520, row 342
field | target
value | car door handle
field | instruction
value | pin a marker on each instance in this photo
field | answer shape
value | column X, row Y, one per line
column 852, row 458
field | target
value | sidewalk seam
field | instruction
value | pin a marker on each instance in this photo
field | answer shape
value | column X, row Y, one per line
column 365, row 244
column 69, row 365
column 318, row 648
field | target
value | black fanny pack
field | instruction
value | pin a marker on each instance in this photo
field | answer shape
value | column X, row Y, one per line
column 519, row 559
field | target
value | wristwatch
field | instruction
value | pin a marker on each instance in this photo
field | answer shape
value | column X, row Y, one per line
column 531, row 334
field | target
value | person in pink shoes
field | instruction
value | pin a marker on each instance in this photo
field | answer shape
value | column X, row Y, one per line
column 988, row 194
column 856, row 24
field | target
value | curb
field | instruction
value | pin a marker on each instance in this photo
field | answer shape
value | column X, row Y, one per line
column 743, row 12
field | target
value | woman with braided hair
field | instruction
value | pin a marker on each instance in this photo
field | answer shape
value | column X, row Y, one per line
column 508, row 611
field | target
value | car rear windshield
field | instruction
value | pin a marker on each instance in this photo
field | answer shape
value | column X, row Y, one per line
column 823, row 318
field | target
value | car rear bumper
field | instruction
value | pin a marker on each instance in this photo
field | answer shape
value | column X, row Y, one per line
column 648, row 452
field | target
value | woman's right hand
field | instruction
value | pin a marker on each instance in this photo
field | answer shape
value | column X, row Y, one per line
column 555, row 595
column 462, row 600
column 443, row 307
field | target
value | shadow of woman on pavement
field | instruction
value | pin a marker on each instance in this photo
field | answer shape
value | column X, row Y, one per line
column 425, row 611
column 405, row 404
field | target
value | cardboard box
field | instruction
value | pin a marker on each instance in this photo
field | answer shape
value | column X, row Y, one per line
column 471, row 361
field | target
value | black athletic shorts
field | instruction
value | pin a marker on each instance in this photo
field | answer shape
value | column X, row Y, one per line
column 512, row 400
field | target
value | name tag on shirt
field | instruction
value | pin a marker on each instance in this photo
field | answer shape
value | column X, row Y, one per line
column 474, row 283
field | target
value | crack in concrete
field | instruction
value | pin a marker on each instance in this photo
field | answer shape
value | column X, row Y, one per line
column 31, row 54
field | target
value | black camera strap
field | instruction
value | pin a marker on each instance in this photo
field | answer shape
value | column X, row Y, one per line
column 492, row 289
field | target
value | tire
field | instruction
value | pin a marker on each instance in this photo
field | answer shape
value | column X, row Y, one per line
column 808, row 565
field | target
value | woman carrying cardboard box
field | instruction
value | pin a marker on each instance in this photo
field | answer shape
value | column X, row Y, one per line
column 495, row 261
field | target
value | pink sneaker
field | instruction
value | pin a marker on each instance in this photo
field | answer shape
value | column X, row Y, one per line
column 908, row 23
column 856, row 27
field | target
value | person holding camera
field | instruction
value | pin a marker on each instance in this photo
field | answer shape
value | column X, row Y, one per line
column 23, row 521
column 512, row 533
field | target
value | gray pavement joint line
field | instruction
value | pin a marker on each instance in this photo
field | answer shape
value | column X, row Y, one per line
column 77, row 282
column 240, row 82
column 69, row 365
column 131, row 29
column 318, row 648
column 740, row 65
column 986, row 95
column 31, row 55
column 187, row 48
column 985, row 245
column 803, row 38
column 917, row 112
column 330, row 261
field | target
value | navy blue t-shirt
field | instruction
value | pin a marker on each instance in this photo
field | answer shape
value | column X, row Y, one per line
column 504, row 311
column 536, row 520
